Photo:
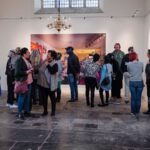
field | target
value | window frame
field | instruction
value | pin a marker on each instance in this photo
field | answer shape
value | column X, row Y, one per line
column 69, row 6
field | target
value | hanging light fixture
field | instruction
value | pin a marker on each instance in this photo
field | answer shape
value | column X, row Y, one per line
column 59, row 23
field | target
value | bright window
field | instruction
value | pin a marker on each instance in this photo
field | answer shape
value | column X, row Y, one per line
column 77, row 3
column 91, row 3
column 70, row 3
column 63, row 3
column 49, row 3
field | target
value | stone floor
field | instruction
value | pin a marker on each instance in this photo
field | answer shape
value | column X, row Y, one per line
column 75, row 127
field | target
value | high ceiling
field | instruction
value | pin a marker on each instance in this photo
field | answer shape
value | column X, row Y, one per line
column 119, row 8
column 115, row 8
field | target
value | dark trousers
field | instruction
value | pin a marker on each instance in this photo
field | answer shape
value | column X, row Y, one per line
column 115, row 90
column 148, row 94
column 148, row 89
column 102, row 96
column 35, row 92
column 90, row 84
column 10, row 89
column 59, row 91
column 117, row 85
column 44, row 93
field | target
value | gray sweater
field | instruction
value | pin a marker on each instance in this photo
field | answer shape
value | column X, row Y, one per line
column 41, row 79
column 135, row 70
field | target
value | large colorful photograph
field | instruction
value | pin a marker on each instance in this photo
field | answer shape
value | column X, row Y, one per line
column 83, row 44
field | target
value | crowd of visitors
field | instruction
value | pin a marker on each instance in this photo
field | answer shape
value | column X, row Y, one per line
column 31, row 80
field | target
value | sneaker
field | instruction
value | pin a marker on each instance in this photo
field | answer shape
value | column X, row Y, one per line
column 13, row 106
column 20, row 117
column 132, row 114
column 7, row 105
column 137, row 116
column 116, row 102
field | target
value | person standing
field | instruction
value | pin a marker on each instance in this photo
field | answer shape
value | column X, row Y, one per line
column 28, row 103
column 115, row 79
column 60, row 69
column 51, row 74
column 126, row 76
column 90, row 68
column 135, row 69
column 118, row 56
column 43, row 86
column 10, row 73
column 106, row 71
column 21, row 75
column 73, row 70
column 147, row 71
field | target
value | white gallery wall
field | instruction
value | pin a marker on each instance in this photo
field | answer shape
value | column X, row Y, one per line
column 125, row 30
column 147, row 31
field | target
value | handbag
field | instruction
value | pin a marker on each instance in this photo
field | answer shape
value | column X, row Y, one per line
column 21, row 87
column 106, row 80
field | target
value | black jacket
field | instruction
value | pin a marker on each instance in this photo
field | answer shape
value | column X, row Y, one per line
column 10, row 71
column 73, row 64
column 147, row 71
column 20, row 70
column 123, row 63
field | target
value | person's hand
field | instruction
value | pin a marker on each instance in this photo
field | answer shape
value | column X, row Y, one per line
column 29, row 71
column 98, row 63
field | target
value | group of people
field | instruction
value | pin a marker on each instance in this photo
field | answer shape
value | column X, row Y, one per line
column 103, row 74
column 20, row 77
column 108, row 74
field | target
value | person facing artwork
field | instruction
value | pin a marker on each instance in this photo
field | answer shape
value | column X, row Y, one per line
column 73, row 70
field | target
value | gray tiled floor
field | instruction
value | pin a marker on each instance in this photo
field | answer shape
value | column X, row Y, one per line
column 75, row 127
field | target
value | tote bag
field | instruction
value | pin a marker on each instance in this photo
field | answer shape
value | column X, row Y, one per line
column 21, row 87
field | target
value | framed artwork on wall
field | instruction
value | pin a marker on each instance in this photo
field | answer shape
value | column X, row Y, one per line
column 83, row 44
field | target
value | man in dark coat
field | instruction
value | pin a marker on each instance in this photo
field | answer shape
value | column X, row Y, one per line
column 73, row 70
column 118, row 56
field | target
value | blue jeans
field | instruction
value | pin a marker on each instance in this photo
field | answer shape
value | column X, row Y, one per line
column 21, row 101
column 28, row 99
column 136, row 88
column 73, row 87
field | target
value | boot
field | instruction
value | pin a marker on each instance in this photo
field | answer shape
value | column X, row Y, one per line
column 87, row 102
column 102, row 100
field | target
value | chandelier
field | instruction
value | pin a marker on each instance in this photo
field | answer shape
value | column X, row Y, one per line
column 59, row 23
